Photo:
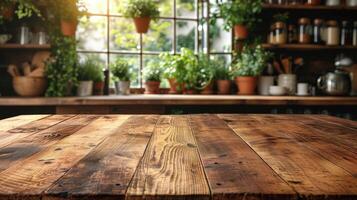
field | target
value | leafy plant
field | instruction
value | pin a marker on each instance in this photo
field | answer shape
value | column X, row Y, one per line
column 121, row 70
column 251, row 61
column 222, row 72
column 153, row 71
column 237, row 12
column 141, row 8
column 281, row 17
column 89, row 71
column 70, row 10
column 26, row 8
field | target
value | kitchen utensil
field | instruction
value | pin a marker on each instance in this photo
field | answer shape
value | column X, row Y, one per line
column 334, row 83
column 5, row 38
column 13, row 71
column 40, row 58
column 343, row 61
column 29, row 86
column 25, row 35
column 353, row 76
column 39, row 72
column 303, row 89
column 41, row 38
column 26, row 69
column 277, row 90
column 277, row 67
column 264, row 83
column 289, row 82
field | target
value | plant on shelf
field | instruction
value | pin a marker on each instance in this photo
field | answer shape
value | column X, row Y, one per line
column 142, row 12
column 238, row 14
column 152, row 75
column 223, row 77
column 69, row 12
column 22, row 9
column 247, row 66
column 205, row 74
column 121, row 71
column 88, row 72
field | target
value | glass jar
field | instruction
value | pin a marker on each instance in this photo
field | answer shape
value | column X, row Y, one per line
column 305, row 31
column 280, row 33
column 271, row 37
column 354, row 34
column 317, row 30
column 332, row 33
column 292, row 34
column 313, row 2
column 346, row 34
column 333, row 2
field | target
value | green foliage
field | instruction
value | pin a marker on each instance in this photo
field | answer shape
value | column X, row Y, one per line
column 26, row 8
column 70, row 10
column 251, row 61
column 281, row 17
column 153, row 71
column 141, row 8
column 234, row 12
column 61, row 69
column 121, row 70
column 90, row 71
column 222, row 72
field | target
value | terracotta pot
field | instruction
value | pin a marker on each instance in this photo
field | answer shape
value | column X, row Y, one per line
column 223, row 86
column 240, row 32
column 208, row 89
column 98, row 88
column 190, row 91
column 142, row 24
column 173, row 86
column 152, row 87
column 69, row 28
column 8, row 12
column 246, row 85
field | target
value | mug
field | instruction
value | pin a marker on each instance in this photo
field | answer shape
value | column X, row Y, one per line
column 264, row 83
column 289, row 82
column 303, row 89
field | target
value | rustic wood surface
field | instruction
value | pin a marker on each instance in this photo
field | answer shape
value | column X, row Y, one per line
column 59, row 157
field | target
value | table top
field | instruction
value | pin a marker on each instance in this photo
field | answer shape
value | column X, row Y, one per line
column 178, row 157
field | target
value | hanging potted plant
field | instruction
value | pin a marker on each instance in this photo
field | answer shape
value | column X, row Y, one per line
column 248, row 66
column 152, row 75
column 241, row 15
column 87, row 74
column 223, row 79
column 142, row 12
column 121, row 72
column 70, row 11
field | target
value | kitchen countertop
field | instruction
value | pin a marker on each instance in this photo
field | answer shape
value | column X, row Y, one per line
column 179, row 100
column 178, row 157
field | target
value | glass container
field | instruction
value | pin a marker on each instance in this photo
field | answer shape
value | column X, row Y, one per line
column 305, row 31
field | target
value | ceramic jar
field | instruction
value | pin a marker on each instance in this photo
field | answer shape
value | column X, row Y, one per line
column 264, row 84
column 333, row 2
column 289, row 82
column 351, row 3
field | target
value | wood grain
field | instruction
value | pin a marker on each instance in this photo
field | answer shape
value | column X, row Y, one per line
column 310, row 174
column 234, row 170
column 37, row 173
column 36, row 142
column 17, row 121
column 107, row 170
column 171, row 167
column 22, row 131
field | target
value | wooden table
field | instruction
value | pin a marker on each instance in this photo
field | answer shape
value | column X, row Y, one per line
column 178, row 157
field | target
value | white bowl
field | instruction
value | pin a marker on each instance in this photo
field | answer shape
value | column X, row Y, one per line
column 5, row 38
column 277, row 90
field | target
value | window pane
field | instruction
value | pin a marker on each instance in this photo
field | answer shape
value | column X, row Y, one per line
column 151, row 58
column 134, row 61
column 220, row 40
column 160, row 36
column 186, row 8
column 100, row 58
column 165, row 7
column 225, row 59
column 92, row 34
column 186, row 35
column 123, row 36
column 96, row 7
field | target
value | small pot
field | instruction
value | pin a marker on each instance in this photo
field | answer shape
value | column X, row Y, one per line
column 142, row 24
column 240, row 32
column 208, row 89
column 98, row 88
column 246, row 85
column 122, row 87
column 190, row 91
column 69, row 28
column 173, row 86
column 85, row 88
column 152, row 87
column 224, row 86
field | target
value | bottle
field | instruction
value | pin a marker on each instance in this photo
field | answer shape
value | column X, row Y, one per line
column 304, row 31
column 317, row 31
column 292, row 34
column 332, row 33
column 346, row 36
column 354, row 40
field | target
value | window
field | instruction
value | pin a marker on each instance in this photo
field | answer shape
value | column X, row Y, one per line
column 107, row 35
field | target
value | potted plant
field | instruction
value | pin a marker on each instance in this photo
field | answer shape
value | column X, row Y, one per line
column 142, row 12
column 87, row 73
column 238, row 14
column 205, row 74
column 152, row 76
column 248, row 65
column 223, row 79
column 121, row 71
column 99, row 82
column 70, row 11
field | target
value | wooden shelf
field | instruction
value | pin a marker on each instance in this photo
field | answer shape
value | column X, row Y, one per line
column 305, row 7
column 26, row 46
column 307, row 47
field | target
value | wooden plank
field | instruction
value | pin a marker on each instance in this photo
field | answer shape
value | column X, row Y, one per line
column 10, row 136
column 233, row 169
column 34, row 143
column 37, row 173
column 171, row 167
column 107, row 170
column 310, row 174
column 13, row 122
column 337, row 121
